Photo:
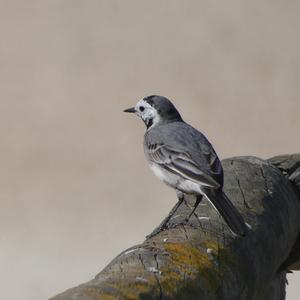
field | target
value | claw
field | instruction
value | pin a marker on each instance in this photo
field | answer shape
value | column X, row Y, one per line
column 164, row 223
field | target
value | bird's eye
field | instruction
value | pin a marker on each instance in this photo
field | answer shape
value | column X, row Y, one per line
column 142, row 108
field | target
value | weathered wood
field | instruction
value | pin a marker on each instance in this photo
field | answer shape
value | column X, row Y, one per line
column 200, row 258
column 290, row 166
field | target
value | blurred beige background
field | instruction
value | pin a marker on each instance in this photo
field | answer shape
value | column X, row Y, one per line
column 74, row 187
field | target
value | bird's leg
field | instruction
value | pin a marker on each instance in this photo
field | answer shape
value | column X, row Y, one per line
column 197, row 202
column 180, row 197
column 164, row 223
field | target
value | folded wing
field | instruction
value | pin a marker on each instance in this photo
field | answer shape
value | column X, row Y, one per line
column 182, row 164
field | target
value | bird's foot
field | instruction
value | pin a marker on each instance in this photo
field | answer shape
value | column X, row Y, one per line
column 165, row 223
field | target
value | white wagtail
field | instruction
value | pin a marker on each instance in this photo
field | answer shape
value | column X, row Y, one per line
column 183, row 158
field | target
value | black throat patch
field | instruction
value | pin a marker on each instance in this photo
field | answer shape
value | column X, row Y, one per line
column 149, row 123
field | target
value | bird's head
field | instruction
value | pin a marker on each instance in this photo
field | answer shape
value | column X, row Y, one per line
column 155, row 110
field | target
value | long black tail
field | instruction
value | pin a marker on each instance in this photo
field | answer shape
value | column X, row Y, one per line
column 227, row 210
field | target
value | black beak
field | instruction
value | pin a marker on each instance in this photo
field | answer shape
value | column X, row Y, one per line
column 130, row 110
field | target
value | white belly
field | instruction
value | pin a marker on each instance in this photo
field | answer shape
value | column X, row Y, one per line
column 176, row 181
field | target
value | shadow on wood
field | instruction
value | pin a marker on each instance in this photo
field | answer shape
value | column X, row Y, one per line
column 201, row 258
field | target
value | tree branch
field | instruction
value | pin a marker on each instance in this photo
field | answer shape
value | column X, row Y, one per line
column 200, row 258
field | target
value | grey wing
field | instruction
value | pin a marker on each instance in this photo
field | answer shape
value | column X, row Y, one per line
column 208, row 157
column 181, row 163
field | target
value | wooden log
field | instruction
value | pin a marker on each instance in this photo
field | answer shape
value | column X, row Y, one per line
column 290, row 166
column 201, row 258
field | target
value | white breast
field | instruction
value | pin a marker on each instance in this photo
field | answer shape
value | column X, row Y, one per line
column 164, row 175
column 176, row 181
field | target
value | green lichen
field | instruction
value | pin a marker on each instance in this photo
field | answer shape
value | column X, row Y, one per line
column 191, row 263
column 187, row 272
column 192, row 272
column 95, row 294
column 132, row 291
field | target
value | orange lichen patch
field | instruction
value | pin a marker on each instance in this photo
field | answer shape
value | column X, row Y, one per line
column 125, row 290
column 95, row 294
column 187, row 256
column 211, row 245
column 132, row 290
column 194, row 263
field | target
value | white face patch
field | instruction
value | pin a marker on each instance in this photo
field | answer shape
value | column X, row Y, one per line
column 147, row 112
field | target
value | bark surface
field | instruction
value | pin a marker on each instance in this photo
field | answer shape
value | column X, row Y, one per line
column 201, row 258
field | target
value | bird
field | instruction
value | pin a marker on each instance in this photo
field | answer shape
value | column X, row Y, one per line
column 184, row 159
